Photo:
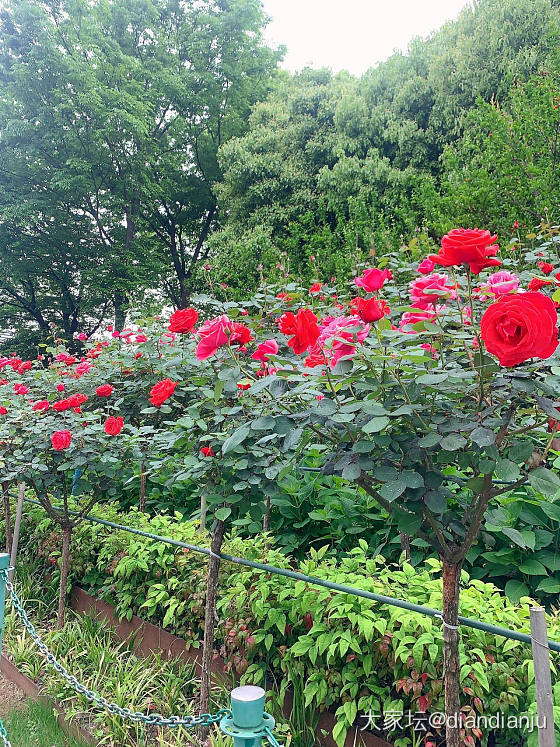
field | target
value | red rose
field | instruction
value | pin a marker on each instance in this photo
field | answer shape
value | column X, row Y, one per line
column 303, row 327
column 315, row 288
column 315, row 359
column 61, row 440
column 426, row 266
column 536, row 284
column 105, row 390
column 60, row 387
column 465, row 246
column 76, row 400
column 519, row 327
column 25, row 366
column 41, row 405
column 162, row 391
column 113, row 426
column 369, row 310
column 207, row 451
column 61, row 405
column 3, row 411
column 240, row 334
column 243, row 386
column 21, row 389
column 545, row 267
column 182, row 320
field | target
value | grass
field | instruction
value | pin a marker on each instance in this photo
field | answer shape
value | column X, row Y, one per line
column 35, row 725
column 88, row 648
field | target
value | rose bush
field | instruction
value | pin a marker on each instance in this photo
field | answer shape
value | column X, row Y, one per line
column 421, row 402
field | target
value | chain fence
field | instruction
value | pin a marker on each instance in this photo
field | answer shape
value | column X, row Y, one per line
column 153, row 719
column 99, row 701
column 4, row 735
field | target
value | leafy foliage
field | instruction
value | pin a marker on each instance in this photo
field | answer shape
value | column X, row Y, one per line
column 353, row 655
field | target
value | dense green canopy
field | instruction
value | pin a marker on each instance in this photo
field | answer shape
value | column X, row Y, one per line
column 112, row 115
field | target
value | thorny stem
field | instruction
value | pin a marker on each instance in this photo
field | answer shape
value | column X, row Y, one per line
column 477, row 334
column 409, row 401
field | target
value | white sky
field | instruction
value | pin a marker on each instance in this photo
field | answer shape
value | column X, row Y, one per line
column 351, row 35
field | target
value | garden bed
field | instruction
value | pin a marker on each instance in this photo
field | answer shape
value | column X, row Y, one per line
column 32, row 690
column 149, row 639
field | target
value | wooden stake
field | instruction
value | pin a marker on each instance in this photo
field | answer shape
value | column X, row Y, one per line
column 543, row 683
column 17, row 524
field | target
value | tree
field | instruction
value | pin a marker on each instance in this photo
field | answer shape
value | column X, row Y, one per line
column 113, row 113
column 504, row 170
column 333, row 166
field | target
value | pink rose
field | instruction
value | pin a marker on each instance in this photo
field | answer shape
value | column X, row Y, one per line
column 213, row 334
column 266, row 348
column 83, row 368
column 421, row 315
column 428, row 290
column 338, row 337
column 426, row 266
column 373, row 279
column 500, row 283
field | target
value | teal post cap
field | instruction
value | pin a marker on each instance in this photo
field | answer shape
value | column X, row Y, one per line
column 247, row 706
column 4, row 561
column 248, row 723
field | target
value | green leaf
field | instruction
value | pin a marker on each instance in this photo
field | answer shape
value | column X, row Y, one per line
column 483, row 437
column 351, row 471
column 515, row 536
column 544, row 481
column 506, row 470
column 435, row 501
column 392, row 490
column 552, row 510
column 516, row 589
column 376, row 424
column 292, row 438
column 236, row 438
column 549, row 586
column 411, row 479
column 218, row 389
column 532, row 567
column 432, row 378
column 453, row 442
column 223, row 513
column 430, row 440
column 520, row 451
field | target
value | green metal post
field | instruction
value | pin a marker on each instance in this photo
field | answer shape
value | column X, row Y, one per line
column 4, row 565
column 248, row 721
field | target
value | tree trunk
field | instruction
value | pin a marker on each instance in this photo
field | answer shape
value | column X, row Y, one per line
column 119, row 301
column 209, row 622
column 64, row 568
column 203, row 511
column 451, row 581
column 7, row 515
column 405, row 544
column 143, row 487
column 266, row 517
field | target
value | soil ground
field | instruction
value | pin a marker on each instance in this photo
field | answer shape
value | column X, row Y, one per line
column 11, row 697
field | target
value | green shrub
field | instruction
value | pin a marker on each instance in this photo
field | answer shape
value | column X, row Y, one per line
column 353, row 655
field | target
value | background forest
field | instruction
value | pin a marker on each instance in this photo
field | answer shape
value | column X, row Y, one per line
column 149, row 150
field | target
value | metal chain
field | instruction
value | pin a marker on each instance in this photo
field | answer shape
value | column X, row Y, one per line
column 154, row 719
column 271, row 738
column 4, row 735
